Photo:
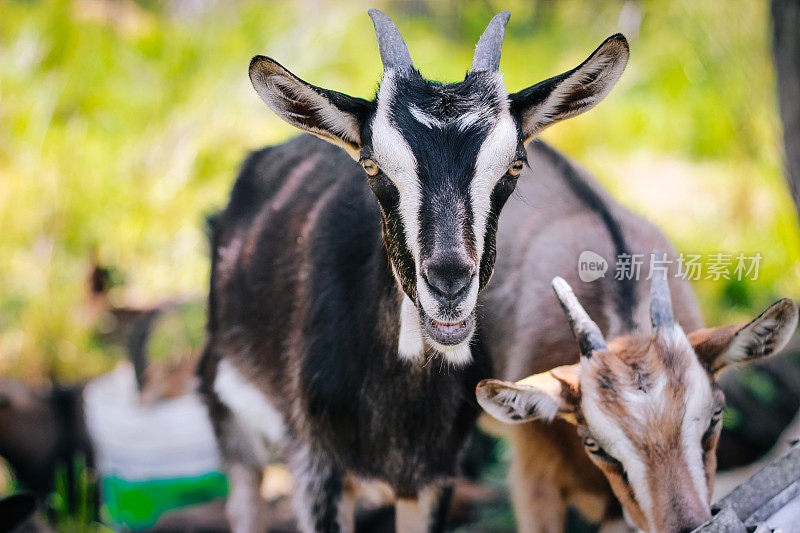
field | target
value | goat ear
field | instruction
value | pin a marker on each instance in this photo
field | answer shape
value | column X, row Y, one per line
column 572, row 92
column 538, row 397
column 334, row 116
column 739, row 343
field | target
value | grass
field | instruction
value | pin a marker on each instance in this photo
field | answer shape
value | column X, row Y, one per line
column 73, row 501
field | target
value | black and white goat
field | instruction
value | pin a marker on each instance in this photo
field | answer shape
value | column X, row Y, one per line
column 326, row 306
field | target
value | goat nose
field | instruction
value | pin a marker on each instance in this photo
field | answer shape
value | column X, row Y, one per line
column 691, row 526
column 448, row 279
column 686, row 521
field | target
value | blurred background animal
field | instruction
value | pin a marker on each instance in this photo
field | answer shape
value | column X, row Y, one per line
column 43, row 432
column 41, row 429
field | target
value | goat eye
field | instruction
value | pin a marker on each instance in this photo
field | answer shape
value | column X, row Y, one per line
column 370, row 167
column 516, row 168
column 591, row 444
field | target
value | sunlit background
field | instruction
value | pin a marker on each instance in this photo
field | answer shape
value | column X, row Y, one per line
column 122, row 124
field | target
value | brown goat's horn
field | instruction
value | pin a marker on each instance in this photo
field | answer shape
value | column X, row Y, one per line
column 587, row 333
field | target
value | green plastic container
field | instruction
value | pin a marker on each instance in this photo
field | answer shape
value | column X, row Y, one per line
column 150, row 458
column 138, row 505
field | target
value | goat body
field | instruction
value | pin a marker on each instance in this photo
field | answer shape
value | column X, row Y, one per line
column 558, row 212
column 303, row 303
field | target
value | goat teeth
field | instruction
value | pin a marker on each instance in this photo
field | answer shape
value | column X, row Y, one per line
column 449, row 328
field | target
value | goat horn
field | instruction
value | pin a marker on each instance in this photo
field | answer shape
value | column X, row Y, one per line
column 487, row 51
column 392, row 47
column 660, row 300
column 588, row 335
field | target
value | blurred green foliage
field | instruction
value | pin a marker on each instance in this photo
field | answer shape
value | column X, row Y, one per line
column 122, row 124
column 177, row 334
column 73, row 500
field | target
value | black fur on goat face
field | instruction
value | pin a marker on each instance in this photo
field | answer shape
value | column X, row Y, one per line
column 441, row 159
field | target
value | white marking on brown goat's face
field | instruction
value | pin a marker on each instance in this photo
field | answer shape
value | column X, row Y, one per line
column 443, row 151
column 649, row 416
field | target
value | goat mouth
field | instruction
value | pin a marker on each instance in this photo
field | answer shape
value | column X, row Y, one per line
column 448, row 333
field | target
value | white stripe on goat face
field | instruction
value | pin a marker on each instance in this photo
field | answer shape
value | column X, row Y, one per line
column 612, row 437
column 495, row 156
column 487, row 116
column 397, row 161
column 699, row 406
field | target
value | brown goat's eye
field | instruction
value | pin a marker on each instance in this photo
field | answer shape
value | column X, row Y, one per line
column 715, row 419
column 370, row 167
column 516, row 168
column 594, row 448
column 591, row 444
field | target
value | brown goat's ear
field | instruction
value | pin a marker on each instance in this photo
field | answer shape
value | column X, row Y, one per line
column 572, row 92
column 538, row 397
column 334, row 116
column 765, row 335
